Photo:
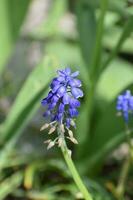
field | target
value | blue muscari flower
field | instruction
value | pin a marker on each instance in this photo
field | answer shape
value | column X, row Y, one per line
column 62, row 100
column 125, row 104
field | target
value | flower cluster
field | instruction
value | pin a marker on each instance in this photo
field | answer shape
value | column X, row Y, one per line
column 125, row 104
column 62, row 102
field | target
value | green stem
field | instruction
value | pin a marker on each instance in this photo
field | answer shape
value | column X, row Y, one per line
column 126, row 167
column 130, row 146
column 122, row 179
column 74, row 172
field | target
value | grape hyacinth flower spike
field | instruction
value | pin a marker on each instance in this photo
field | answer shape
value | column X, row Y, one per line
column 125, row 104
column 61, row 106
column 124, row 107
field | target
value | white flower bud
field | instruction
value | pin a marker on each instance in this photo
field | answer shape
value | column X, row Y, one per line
column 70, row 133
column 44, row 127
column 51, row 144
column 72, row 139
column 47, row 141
column 60, row 142
column 52, row 130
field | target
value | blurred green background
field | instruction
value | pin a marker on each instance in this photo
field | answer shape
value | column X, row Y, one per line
column 37, row 38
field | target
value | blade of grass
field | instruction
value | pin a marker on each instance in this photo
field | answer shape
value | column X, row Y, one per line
column 118, row 76
column 16, row 128
column 96, row 159
column 96, row 59
column 6, row 37
column 11, row 17
column 128, row 28
column 93, row 75
column 25, row 105
column 107, row 135
column 36, row 83
column 86, row 24
column 10, row 184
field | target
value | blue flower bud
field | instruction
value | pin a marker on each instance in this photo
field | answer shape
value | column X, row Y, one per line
column 75, row 74
column 75, row 83
column 73, row 112
column 66, row 98
column 61, row 91
column 76, row 92
column 61, row 108
column 74, row 103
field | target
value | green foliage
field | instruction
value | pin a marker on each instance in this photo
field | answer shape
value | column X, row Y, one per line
column 101, row 48
column 87, row 29
column 11, row 18
column 10, row 184
column 16, row 14
column 26, row 105
column 125, row 34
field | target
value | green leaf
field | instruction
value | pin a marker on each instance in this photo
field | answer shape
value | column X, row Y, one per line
column 82, row 131
column 26, row 103
column 95, row 64
column 87, row 29
column 125, row 34
column 120, row 7
column 10, row 184
column 96, row 59
column 6, row 37
column 108, row 134
column 98, row 191
column 16, row 13
column 12, row 15
column 117, row 76
column 111, row 38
